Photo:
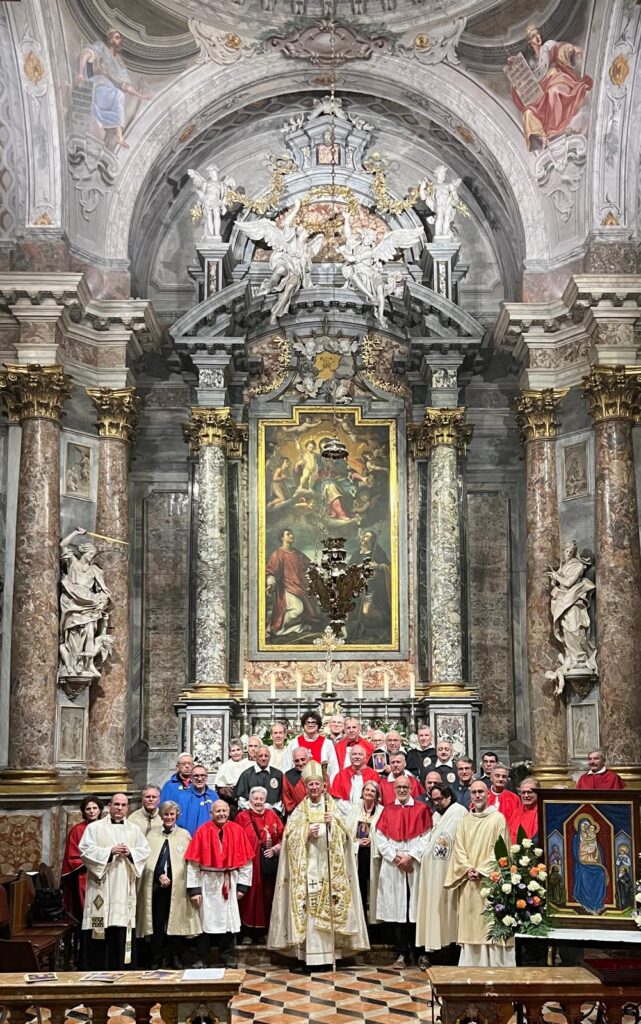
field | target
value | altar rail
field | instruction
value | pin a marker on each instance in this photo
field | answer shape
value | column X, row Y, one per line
column 20, row 1001
column 488, row 995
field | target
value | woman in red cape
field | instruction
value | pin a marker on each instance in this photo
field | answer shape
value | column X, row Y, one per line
column 264, row 830
column 73, row 877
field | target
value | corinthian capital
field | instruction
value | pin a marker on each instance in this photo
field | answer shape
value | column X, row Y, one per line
column 613, row 392
column 117, row 412
column 535, row 413
column 35, row 392
column 440, row 427
column 214, row 428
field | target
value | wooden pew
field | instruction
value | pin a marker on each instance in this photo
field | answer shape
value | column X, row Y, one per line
column 45, row 938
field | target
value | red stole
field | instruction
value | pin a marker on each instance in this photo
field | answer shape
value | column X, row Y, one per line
column 507, row 803
column 206, row 850
column 315, row 747
column 601, row 780
column 403, row 822
column 341, row 787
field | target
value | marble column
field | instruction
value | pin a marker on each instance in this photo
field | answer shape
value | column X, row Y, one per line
column 614, row 396
column 535, row 413
column 108, row 697
column 212, row 435
column 38, row 393
column 446, row 438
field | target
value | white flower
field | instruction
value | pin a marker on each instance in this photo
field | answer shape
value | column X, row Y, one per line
column 533, row 886
column 524, row 861
column 516, row 878
column 638, row 897
column 543, row 874
column 485, row 893
column 515, row 848
column 527, row 843
column 538, row 852
column 536, row 919
column 509, row 921
column 506, row 888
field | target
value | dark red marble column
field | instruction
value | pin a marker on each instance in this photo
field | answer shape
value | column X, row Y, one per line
column 108, row 699
column 614, row 395
column 535, row 414
column 37, row 395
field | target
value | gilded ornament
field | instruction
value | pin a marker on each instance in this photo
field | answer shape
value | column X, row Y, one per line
column 619, row 70
column 440, row 427
column 370, row 352
column 271, row 382
column 33, row 68
column 117, row 412
column 36, row 391
column 280, row 167
column 610, row 220
column 42, row 220
column 613, row 392
column 384, row 203
column 187, row 132
column 423, row 42
column 214, row 428
column 232, row 41
column 535, row 413
column 465, row 134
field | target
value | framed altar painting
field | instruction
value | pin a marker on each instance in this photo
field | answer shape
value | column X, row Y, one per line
column 592, row 844
column 303, row 498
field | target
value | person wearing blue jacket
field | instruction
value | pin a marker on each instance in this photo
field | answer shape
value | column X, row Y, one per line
column 196, row 808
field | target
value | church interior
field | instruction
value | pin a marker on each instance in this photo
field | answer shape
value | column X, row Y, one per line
column 320, row 339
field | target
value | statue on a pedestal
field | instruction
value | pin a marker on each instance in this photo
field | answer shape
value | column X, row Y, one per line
column 442, row 198
column 211, row 193
column 571, row 594
column 84, row 616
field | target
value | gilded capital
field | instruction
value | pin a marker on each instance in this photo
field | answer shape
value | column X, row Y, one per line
column 32, row 391
column 440, row 427
column 535, row 413
column 117, row 412
column 214, row 428
column 613, row 392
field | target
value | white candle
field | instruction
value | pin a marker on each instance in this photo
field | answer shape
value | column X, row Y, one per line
column 299, row 685
column 359, row 684
column 245, row 687
column 385, row 686
column 272, row 686
column 412, row 686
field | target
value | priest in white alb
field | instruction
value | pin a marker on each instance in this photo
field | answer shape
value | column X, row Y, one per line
column 114, row 852
column 472, row 861
column 317, row 912
column 437, row 907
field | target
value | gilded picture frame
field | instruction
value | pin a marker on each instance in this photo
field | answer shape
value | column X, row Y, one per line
column 310, row 498
column 591, row 843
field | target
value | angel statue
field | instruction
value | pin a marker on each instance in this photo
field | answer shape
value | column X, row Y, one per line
column 364, row 259
column 211, row 192
column 291, row 260
column 84, row 609
column 442, row 198
column 571, row 594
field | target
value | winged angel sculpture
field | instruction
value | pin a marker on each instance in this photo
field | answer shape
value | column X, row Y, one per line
column 364, row 259
column 291, row 259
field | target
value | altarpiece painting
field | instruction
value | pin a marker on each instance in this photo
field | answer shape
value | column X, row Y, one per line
column 591, row 843
column 304, row 498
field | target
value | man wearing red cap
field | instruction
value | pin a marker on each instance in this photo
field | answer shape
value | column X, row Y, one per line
column 401, row 839
column 219, row 873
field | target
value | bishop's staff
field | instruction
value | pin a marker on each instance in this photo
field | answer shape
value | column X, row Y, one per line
column 329, row 865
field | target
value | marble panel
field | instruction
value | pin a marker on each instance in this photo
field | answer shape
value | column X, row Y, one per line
column 21, row 841
column 490, row 613
column 212, row 568
column 165, row 611
column 445, row 560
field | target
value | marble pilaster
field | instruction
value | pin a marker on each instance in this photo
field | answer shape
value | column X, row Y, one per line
column 212, row 435
column 614, row 397
column 108, row 703
column 36, row 394
column 535, row 412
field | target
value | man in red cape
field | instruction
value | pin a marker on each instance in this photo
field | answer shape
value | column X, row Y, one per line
column 527, row 816
column 351, row 739
column 597, row 775
column 397, row 768
column 401, row 838
column 294, row 788
column 348, row 784
column 219, row 873
column 506, row 802
column 292, row 608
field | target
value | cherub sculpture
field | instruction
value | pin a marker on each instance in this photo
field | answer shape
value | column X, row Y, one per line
column 364, row 259
column 442, row 199
column 291, row 259
column 211, row 193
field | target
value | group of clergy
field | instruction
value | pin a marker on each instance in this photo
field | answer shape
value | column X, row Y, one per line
column 343, row 833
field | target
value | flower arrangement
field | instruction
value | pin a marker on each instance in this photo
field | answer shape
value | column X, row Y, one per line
column 636, row 912
column 515, row 895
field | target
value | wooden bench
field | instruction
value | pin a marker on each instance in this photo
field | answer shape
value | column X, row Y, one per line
column 490, row 995
column 46, row 937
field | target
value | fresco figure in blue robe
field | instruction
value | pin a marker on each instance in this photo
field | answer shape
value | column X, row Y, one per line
column 103, row 66
column 590, row 880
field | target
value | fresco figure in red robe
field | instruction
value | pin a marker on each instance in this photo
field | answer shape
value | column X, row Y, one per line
column 290, row 608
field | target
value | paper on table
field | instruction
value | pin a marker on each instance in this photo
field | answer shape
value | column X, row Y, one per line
column 204, row 974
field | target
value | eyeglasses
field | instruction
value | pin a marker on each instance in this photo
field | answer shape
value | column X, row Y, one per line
column 199, row 776
column 399, row 789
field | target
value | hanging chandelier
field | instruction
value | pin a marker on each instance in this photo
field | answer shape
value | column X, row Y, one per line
column 336, row 585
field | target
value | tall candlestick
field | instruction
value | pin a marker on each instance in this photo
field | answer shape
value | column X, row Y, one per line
column 299, row 685
column 245, row 687
column 412, row 686
column 272, row 686
column 385, row 685
column 359, row 684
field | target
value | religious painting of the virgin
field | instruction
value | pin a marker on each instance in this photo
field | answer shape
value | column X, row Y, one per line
column 592, row 851
column 304, row 498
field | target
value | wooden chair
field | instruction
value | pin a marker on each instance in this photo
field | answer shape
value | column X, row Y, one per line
column 44, row 938
column 18, row 955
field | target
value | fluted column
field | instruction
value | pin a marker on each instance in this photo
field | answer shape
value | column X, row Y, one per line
column 614, row 396
column 38, row 394
column 445, row 437
column 535, row 412
column 212, row 435
column 108, row 698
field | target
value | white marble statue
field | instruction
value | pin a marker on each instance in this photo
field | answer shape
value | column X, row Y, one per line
column 442, row 198
column 211, row 193
column 291, row 260
column 571, row 594
column 364, row 258
column 84, row 610
column 328, row 105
